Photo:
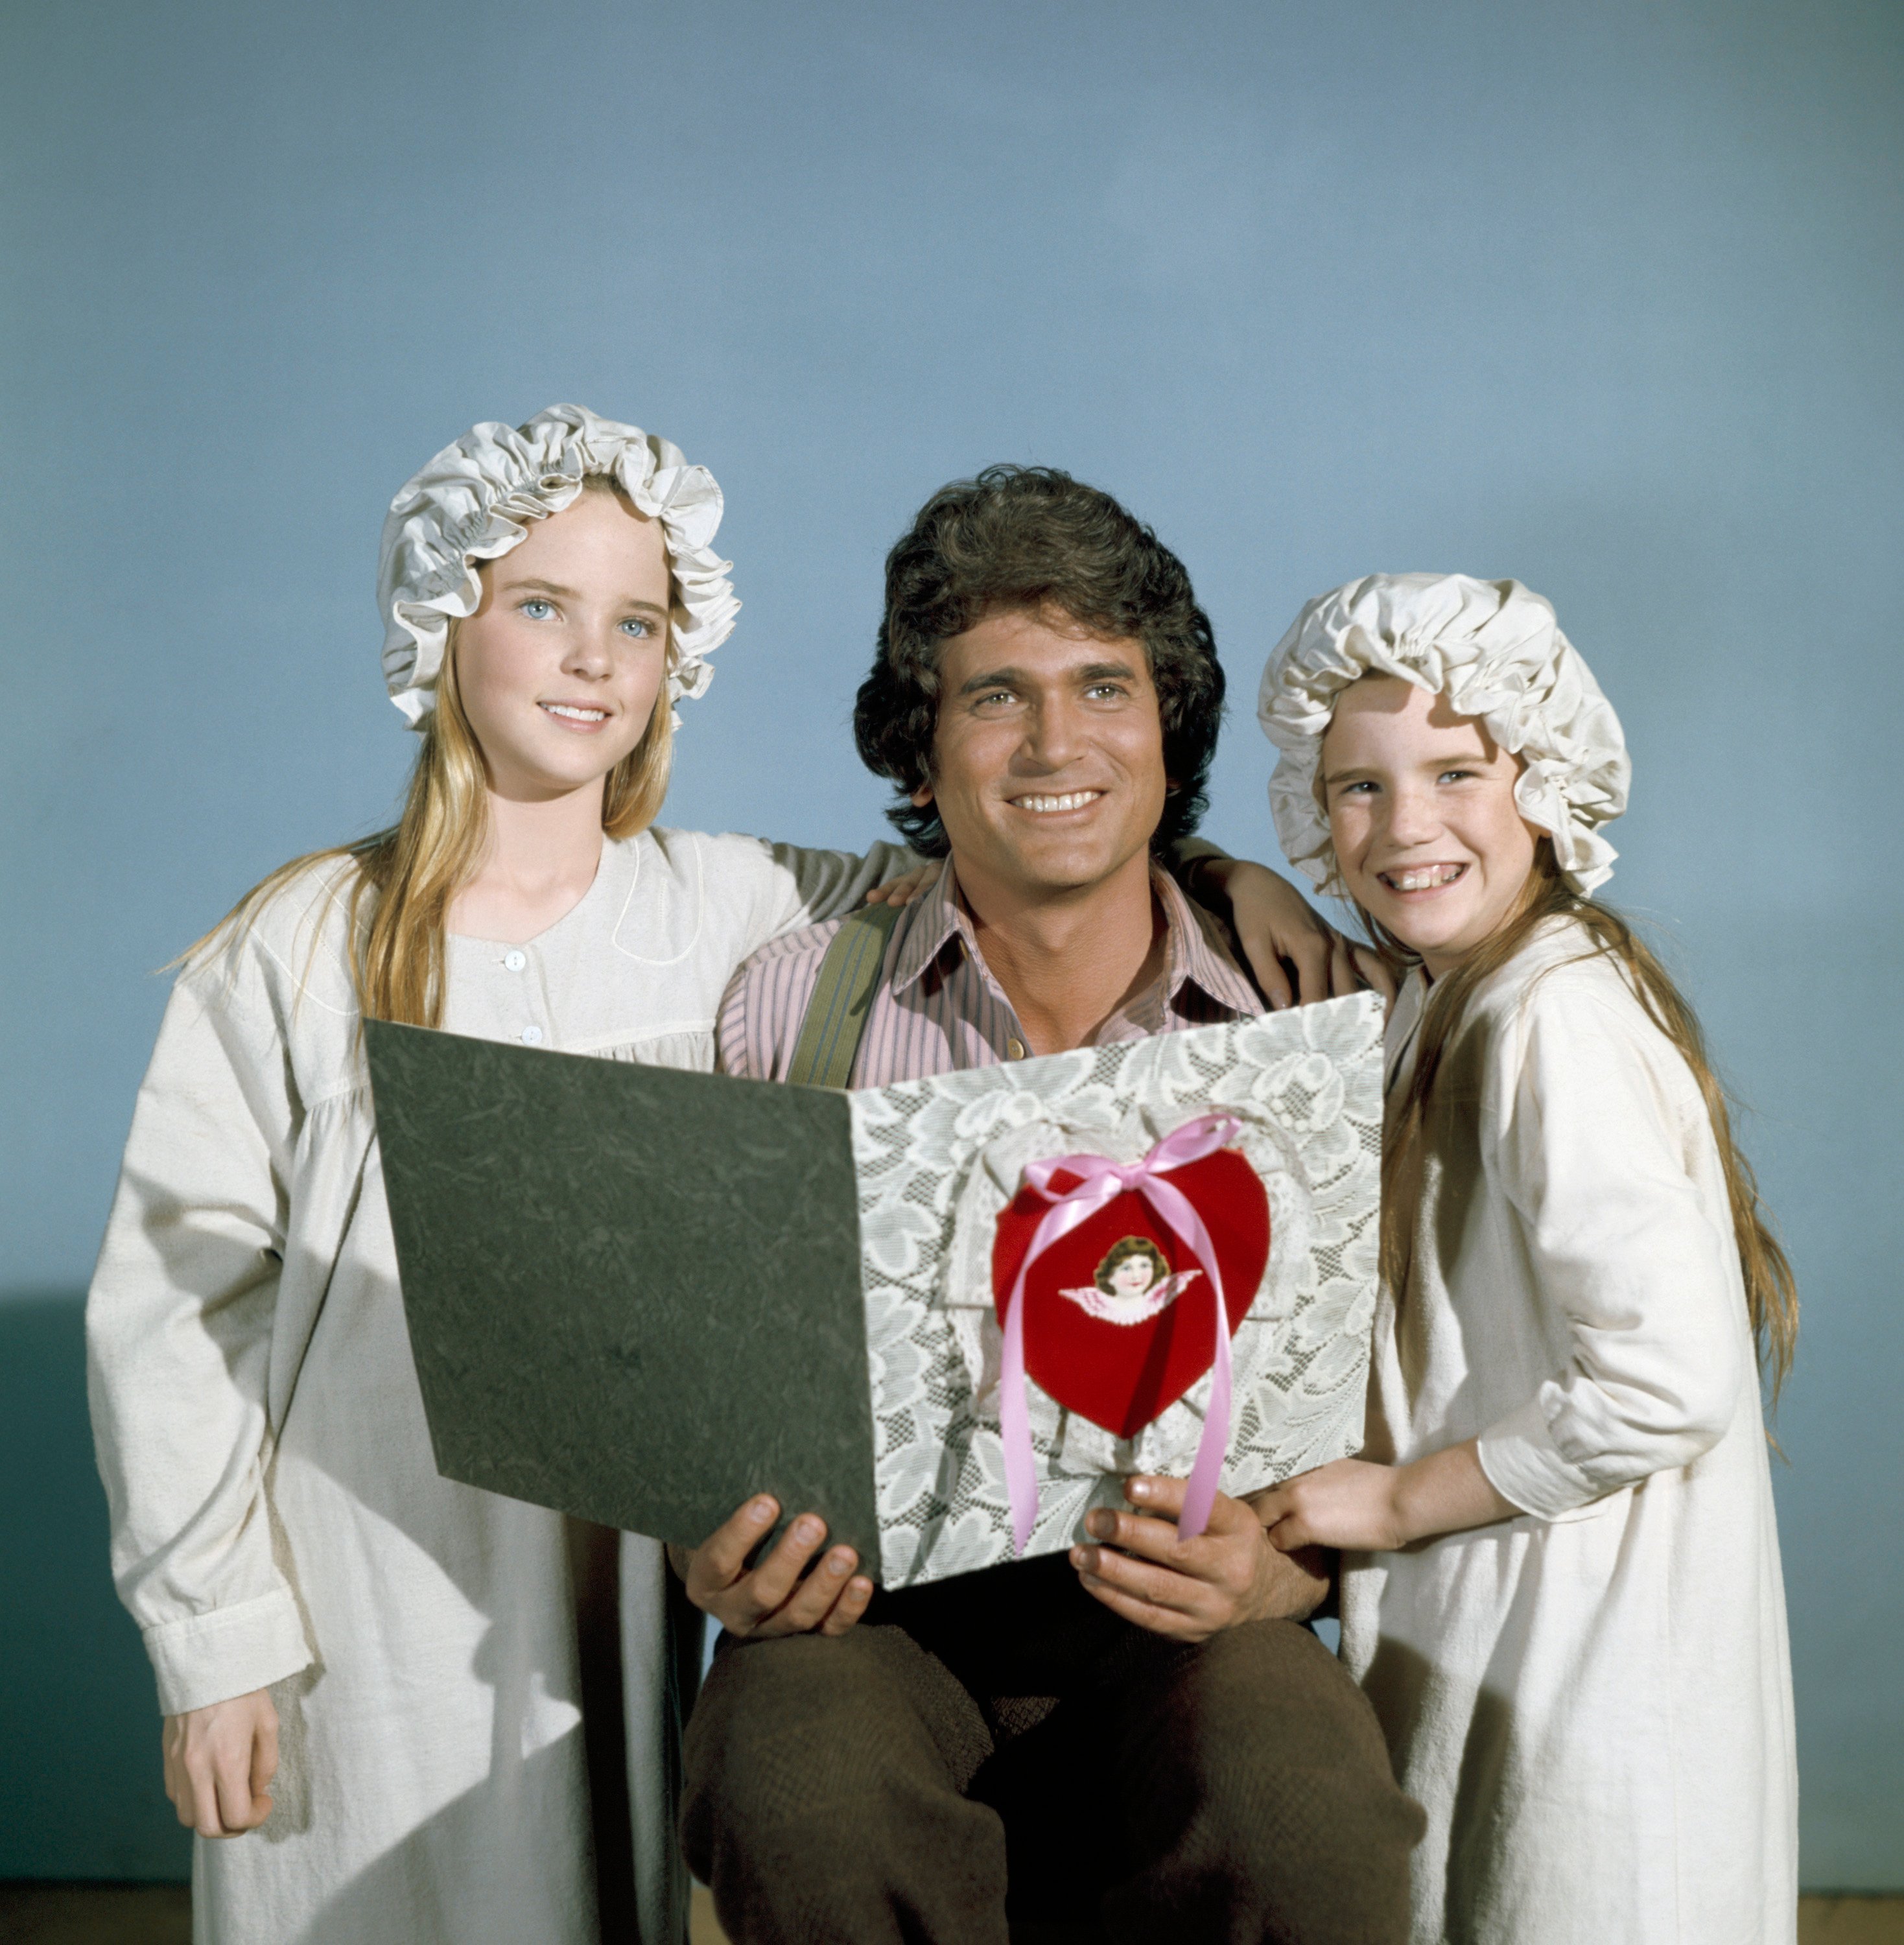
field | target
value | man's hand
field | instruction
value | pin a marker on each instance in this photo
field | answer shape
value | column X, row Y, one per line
column 907, row 887
column 1296, row 954
column 219, row 1763
column 773, row 1599
column 1374, row 1509
column 1190, row 1589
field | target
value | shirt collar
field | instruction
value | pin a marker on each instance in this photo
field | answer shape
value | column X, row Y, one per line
column 936, row 920
column 929, row 924
column 1193, row 952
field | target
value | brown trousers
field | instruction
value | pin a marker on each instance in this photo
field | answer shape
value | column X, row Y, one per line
column 1004, row 1740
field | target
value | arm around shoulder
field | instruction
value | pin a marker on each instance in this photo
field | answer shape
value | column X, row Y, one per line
column 781, row 888
column 1296, row 956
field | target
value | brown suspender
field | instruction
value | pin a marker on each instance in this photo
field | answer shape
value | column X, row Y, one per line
column 842, row 999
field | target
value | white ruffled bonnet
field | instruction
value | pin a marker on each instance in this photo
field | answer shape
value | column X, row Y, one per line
column 1495, row 650
column 471, row 504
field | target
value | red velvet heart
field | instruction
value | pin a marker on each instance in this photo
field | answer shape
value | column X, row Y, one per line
column 1123, row 1375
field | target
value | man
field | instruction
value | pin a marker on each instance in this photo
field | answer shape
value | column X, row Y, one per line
column 1137, row 1732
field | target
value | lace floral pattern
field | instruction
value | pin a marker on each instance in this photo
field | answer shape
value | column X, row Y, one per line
column 938, row 1159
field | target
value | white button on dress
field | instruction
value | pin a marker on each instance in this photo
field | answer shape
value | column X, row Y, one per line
column 516, row 961
column 532, row 1036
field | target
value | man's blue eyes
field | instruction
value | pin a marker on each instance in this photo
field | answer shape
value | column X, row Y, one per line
column 1098, row 689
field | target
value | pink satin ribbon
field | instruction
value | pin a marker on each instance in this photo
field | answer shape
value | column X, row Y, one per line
column 1101, row 1181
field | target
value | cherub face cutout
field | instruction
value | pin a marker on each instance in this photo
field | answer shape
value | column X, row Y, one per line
column 1133, row 1283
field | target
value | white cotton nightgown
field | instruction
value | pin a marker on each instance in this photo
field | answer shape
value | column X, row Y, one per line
column 278, row 1520
column 1593, row 1702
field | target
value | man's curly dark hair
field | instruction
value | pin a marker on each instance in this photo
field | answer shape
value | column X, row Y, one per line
column 1030, row 537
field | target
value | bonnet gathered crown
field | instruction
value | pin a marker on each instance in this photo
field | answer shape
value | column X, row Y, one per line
column 1494, row 649
column 472, row 503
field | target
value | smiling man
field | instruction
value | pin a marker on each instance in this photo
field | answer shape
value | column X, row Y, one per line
column 1138, row 1738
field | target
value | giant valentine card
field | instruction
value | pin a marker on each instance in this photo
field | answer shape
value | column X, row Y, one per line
column 949, row 1315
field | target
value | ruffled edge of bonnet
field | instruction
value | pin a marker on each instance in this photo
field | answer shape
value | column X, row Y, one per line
column 1494, row 649
column 472, row 503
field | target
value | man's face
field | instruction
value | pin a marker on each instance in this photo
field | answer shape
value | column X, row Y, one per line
column 1048, row 759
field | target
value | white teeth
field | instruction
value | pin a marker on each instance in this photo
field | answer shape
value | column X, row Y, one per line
column 1075, row 800
column 1426, row 879
column 575, row 715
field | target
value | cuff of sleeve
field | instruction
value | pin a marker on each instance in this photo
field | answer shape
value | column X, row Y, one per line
column 212, row 1656
column 1524, row 1464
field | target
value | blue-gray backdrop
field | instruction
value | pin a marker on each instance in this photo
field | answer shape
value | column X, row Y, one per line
column 1603, row 295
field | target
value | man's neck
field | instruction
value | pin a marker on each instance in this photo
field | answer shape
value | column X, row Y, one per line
column 1067, row 960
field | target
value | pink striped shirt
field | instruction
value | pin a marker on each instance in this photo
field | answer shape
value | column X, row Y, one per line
column 938, row 1008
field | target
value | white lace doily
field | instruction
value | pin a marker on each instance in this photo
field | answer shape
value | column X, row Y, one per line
column 938, row 1160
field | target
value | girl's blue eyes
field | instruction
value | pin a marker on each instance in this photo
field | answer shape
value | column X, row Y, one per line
column 1447, row 776
column 536, row 609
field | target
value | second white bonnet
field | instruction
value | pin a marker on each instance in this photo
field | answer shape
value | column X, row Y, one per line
column 1494, row 649
column 472, row 503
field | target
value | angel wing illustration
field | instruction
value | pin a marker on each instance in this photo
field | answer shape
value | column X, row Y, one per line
column 1131, row 1309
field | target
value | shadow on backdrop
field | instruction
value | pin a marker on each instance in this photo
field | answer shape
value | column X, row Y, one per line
column 80, row 1790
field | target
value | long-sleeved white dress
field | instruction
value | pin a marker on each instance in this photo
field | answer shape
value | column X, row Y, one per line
column 1593, row 1702
column 278, row 1519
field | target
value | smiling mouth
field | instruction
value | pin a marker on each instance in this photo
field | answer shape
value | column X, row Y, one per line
column 1044, row 806
column 1422, row 878
column 574, row 712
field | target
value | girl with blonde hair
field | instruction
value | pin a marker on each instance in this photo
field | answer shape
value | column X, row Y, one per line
column 1561, row 1590
column 378, row 1673
column 316, row 1599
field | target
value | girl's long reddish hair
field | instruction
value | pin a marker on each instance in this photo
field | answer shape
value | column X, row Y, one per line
column 1771, row 1292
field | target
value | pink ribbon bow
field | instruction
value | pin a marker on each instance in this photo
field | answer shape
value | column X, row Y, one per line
column 1101, row 1181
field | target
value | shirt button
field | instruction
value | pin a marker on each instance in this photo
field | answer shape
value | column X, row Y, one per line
column 1015, row 1048
column 532, row 1036
column 516, row 961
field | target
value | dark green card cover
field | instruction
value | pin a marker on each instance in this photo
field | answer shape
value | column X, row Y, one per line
column 634, row 1293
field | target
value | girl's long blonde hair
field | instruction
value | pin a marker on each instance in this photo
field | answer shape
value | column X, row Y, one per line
column 406, row 877
column 1771, row 1292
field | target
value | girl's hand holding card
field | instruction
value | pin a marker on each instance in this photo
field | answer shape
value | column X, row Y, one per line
column 1371, row 1509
